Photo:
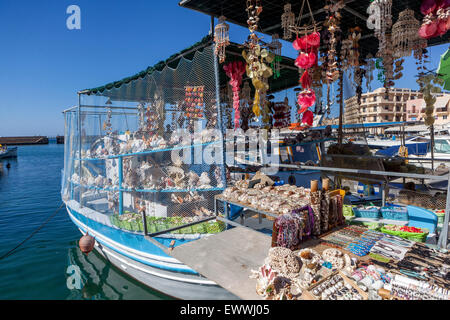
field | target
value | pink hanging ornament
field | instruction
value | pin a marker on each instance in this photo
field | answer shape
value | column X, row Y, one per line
column 308, row 117
column 235, row 70
column 428, row 6
column 306, row 99
column 306, row 80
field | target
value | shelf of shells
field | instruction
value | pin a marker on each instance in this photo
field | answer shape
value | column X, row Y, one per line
column 134, row 144
column 148, row 173
column 262, row 195
column 162, row 185
column 265, row 197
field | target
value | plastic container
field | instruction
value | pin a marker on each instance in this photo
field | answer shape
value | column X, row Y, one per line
column 373, row 213
column 348, row 210
column 395, row 213
column 418, row 237
column 440, row 216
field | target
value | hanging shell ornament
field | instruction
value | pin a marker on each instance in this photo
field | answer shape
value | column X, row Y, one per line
column 405, row 34
column 275, row 47
column 141, row 116
column 221, row 38
column 107, row 126
column 287, row 21
column 257, row 71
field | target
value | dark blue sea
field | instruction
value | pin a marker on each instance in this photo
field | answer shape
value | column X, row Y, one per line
column 45, row 266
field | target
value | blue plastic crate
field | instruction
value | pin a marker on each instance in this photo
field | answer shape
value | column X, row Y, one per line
column 373, row 213
column 395, row 213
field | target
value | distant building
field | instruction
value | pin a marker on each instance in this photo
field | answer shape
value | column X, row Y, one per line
column 330, row 121
column 415, row 109
column 379, row 106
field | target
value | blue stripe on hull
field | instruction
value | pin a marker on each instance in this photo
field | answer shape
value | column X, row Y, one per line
column 131, row 240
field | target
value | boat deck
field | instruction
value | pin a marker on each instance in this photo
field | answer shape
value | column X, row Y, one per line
column 228, row 258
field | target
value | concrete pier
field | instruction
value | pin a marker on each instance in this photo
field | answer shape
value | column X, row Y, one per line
column 21, row 141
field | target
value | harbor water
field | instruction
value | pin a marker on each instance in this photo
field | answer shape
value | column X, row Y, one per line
column 50, row 265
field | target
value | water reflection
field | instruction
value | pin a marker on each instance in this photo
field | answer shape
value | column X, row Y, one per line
column 92, row 277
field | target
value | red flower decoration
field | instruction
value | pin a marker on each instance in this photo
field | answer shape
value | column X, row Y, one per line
column 308, row 117
column 306, row 80
column 428, row 31
column 306, row 99
column 313, row 40
column 306, row 60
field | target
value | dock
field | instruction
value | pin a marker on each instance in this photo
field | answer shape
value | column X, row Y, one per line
column 22, row 141
column 227, row 258
column 60, row 139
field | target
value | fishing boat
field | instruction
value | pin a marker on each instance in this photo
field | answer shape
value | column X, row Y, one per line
column 132, row 179
column 8, row 152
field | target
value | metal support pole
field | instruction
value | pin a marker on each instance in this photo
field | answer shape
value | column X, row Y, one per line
column 443, row 237
column 120, row 186
column 219, row 109
column 144, row 221
column 383, row 194
column 432, row 147
column 80, row 171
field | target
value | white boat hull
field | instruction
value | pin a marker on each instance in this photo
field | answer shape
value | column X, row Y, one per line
column 176, row 284
column 9, row 153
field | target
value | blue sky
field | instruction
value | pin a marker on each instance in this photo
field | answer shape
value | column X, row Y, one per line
column 43, row 64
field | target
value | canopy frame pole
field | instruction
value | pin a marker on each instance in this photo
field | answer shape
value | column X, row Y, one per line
column 443, row 237
column 219, row 108
column 80, row 162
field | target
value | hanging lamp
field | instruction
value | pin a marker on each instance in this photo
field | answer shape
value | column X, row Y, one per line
column 405, row 34
column 221, row 38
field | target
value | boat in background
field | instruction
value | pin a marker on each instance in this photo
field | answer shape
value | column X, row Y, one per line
column 6, row 152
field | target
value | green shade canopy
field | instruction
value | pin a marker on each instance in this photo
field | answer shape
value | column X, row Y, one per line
column 444, row 69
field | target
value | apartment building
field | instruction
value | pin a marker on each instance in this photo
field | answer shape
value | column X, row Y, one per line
column 415, row 109
column 379, row 106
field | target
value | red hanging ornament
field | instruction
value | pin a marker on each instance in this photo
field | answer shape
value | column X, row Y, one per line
column 235, row 70
column 308, row 117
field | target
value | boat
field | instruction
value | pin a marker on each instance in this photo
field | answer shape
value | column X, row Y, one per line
column 441, row 155
column 137, row 220
column 8, row 152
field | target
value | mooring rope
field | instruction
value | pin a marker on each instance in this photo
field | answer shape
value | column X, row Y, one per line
column 10, row 252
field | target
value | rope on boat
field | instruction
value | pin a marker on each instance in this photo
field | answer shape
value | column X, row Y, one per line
column 10, row 252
